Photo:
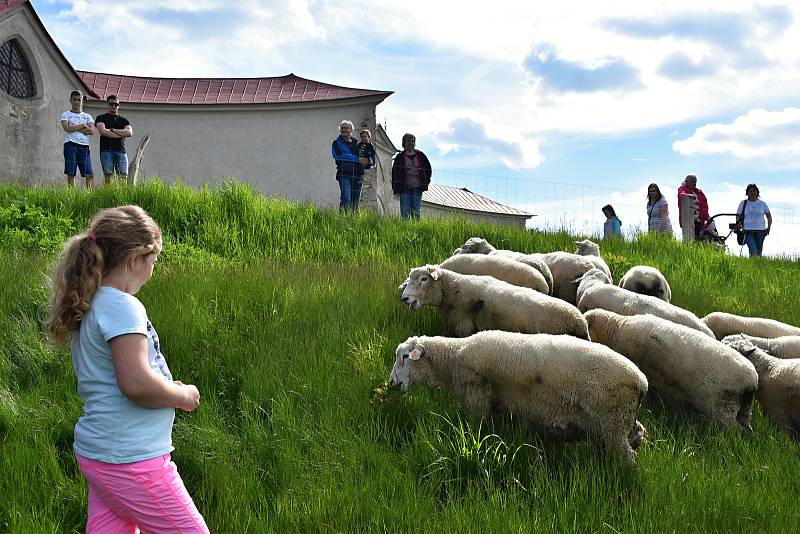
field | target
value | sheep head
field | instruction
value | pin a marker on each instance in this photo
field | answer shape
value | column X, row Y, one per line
column 590, row 278
column 422, row 287
column 475, row 245
column 602, row 325
column 410, row 365
column 587, row 248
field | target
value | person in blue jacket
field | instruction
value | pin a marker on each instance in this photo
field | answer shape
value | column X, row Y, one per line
column 613, row 226
column 349, row 167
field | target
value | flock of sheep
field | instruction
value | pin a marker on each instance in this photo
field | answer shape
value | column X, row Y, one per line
column 549, row 339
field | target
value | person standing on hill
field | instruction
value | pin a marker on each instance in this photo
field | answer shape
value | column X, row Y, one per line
column 750, row 214
column 689, row 188
column 613, row 226
column 657, row 211
column 123, row 440
column 349, row 167
column 77, row 125
column 113, row 128
column 411, row 175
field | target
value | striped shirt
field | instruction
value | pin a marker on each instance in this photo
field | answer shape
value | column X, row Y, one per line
column 654, row 221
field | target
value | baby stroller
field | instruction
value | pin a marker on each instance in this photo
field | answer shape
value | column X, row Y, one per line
column 711, row 235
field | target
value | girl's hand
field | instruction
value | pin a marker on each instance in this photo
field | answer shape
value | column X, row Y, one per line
column 191, row 397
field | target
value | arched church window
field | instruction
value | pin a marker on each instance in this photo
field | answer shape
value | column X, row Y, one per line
column 16, row 77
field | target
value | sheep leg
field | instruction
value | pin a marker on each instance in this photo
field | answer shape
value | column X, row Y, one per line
column 617, row 434
column 743, row 415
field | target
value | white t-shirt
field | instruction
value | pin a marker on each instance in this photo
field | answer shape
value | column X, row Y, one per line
column 113, row 428
column 76, row 118
column 753, row 214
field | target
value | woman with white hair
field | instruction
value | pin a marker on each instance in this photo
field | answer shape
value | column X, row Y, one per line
column 349, row 167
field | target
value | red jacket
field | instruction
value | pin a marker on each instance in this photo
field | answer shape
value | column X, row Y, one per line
column 701, row 201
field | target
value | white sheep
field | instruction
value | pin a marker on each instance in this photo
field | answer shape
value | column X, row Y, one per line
column 562, row 386
column 478, row 245
column 500, row 267
column 591, row 251
column 778, row 384
column 724, row 324
column 564, row 267
column 596, row 291
column 785, row 347
column 646, row 280
column 475, row 303
column 683, row 365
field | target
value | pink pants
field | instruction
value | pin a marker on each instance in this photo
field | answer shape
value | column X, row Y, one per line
column 147, row 495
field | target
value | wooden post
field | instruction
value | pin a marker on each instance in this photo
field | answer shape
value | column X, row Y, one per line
column 133, row 172
column 687, row 209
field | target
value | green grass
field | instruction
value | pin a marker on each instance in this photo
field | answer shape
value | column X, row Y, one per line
column 286, row 317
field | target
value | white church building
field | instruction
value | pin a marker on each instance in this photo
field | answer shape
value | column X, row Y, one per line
column 273, row 133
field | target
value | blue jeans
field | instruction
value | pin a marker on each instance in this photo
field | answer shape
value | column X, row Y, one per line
column 112, row 160
column 754, row 239
column 410, row 203
column 350, row 188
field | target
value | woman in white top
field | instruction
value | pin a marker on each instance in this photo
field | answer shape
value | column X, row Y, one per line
column 657, row 211
column 751, row 213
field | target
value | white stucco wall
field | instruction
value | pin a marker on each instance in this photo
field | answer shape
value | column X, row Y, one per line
column 282, row 150
column 31, row 139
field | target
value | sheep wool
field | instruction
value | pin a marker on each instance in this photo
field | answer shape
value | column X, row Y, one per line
column 562, row 386
column 596, row 291
column 785, row 347
column 646, row 280
column 478, row 245
column 591, row 251
column 503, row 268
column 778, row 384
column 683, row 365
column 724, row 324
column 564, row 267
column 474, row 303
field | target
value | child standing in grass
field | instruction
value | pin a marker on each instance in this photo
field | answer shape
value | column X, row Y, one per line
column 124, row 438
column 613, row 226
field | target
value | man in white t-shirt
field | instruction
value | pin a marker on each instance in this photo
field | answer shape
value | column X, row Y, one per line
column 77, row 125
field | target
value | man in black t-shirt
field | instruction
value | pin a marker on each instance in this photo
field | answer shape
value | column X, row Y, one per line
column 113, row 128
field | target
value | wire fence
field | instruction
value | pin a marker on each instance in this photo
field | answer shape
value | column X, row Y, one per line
column 577, row 207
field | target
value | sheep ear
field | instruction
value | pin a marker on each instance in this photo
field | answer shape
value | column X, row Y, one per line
column 436, row 273
column 416, row 354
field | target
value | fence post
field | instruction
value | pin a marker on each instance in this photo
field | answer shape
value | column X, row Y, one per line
column 687, row 209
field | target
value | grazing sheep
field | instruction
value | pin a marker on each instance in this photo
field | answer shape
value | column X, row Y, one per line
column 683, row 365
column 500, row 267
column 646, row 280
column 595, row 291
column 564, row 267
column 474, row 303
column 778, row 384
column 724, row 324
column 478, row 245
column 591, row 251
column 560, row 385
column 785, row 347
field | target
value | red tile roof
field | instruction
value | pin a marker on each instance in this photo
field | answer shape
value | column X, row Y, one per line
column 464, row 199
column 282, row 89
column 5, row 5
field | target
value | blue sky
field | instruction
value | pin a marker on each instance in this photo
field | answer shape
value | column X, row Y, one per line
column 597, row 94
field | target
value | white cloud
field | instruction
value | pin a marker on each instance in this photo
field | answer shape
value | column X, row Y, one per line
column 773, row 136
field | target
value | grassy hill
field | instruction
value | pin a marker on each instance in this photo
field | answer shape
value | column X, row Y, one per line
column 286, row 317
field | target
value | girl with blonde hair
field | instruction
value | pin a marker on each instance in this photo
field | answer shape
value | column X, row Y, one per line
column 123, row 440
